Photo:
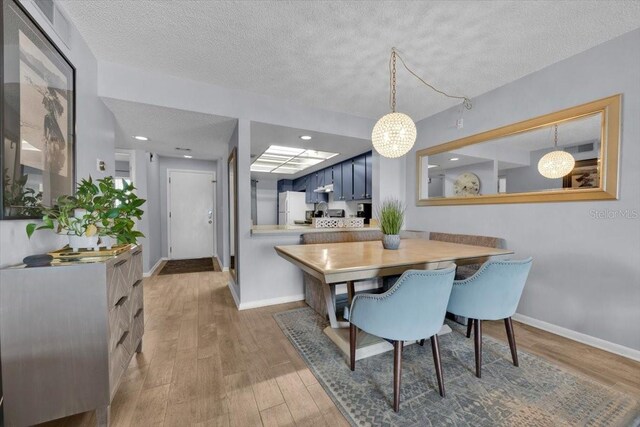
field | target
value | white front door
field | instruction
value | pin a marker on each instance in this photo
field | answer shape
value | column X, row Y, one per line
column 190, row 217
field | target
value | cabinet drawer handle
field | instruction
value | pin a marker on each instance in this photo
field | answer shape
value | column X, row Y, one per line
column 138, row 252
column 122, row 338
column 138, row 313
column 137, row 283
column 121, row 301
column 119, row 263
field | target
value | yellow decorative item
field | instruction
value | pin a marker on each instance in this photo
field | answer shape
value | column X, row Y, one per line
column 91, row 230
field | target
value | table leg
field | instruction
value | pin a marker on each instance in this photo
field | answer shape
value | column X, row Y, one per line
column 330, row 301
column 351, row 291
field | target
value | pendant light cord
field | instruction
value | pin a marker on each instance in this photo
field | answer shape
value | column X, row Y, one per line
column 392, row 83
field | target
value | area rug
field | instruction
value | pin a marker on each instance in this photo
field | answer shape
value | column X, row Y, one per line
column 178, row 266
column 537, row 393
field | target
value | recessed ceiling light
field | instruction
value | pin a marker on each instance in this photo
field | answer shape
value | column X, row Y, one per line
column 432, row 166
column 141, row 138
column 186, row 156
column 305, row 137
column 453, row 159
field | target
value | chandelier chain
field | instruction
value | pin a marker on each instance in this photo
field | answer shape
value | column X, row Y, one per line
column 392, row 74
column 555, row 139
column 392, row 65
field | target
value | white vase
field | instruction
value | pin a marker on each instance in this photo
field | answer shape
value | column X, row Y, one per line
column 83, row 242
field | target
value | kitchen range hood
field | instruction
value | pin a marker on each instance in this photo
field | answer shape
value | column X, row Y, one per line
column 324, row 189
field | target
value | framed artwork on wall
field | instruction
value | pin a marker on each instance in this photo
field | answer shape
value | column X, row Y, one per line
column 37, row 130
column 585, row 174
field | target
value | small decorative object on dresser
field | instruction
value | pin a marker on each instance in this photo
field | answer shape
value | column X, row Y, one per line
column 391, row 216
column 67, row 335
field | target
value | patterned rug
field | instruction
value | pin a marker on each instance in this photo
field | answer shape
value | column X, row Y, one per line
column 179, row 266
column 537, row 393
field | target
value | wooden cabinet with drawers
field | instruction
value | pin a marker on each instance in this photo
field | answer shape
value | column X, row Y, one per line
column 68, row 332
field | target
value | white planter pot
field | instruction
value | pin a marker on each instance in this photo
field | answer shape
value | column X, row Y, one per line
column 83, row 242
column 107, row 242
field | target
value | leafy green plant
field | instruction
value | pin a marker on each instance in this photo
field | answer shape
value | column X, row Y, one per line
column 391, row 216
column 18, row 199
column 104, row 210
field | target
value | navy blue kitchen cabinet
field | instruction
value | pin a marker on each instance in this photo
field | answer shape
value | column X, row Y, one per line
column 351, row 179
column 368, row 184
column 310, row 186
column 312, row 183
column 359, row 177
column 300, row 184
column 328, row 176
column 337, row 181
column 285, row 185
column 320, row 178
column 347, row 180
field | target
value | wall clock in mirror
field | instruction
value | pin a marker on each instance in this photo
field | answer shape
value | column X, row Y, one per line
column 467, row 184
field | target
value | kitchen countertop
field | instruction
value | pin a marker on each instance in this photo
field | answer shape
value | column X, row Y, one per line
column 300, row 229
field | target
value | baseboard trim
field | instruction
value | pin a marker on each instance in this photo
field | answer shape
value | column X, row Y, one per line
column 236, row 298
column 618, row 349
column 153, row 269
column 220, row 264
column 271, row 301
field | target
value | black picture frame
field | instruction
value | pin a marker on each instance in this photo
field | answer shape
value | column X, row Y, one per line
column 17, row 22
column 585, row 174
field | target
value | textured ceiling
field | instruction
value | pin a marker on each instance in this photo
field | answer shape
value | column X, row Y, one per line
column 206, row 135
column 333, row 55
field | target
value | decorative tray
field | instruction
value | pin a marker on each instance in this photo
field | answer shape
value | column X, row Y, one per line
column 337, row 222
column 68, row 253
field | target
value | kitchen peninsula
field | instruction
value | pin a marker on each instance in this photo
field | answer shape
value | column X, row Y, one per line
column 299, row 229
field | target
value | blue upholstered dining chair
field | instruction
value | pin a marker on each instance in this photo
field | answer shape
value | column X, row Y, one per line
column 492, row 293
column 414, row 308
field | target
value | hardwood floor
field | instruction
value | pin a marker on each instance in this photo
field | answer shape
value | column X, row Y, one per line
column 204, row 363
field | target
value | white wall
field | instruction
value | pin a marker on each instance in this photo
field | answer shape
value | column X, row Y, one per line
column 586, row 272
column 267, row 201
column 167, row 163
column 94, row 139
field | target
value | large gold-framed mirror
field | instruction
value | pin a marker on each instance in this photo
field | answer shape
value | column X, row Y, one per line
column 506, row 165
column 233, row 214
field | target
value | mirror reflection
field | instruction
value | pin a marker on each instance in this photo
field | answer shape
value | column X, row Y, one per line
column 516, row 163
column 233, row 197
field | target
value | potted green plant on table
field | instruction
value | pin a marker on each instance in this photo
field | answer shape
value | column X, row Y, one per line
column 391, row 216
column 99, row 214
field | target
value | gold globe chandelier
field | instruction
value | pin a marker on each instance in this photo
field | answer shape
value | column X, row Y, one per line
column 395, row 133
column 557, row 163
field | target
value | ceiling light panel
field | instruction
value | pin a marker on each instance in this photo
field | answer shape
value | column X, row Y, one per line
column 288, row 160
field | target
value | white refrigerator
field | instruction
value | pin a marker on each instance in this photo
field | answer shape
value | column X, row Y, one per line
column 291, row 206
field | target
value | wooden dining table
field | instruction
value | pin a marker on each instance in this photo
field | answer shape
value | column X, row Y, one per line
column 339, row 263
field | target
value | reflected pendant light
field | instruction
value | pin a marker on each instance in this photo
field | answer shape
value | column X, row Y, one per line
column 395, row 133
column 557, row 163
